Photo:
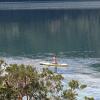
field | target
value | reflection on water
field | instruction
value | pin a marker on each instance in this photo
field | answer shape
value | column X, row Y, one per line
column 28, row 32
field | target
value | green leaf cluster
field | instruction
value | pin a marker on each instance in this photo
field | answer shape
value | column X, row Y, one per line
column 24, row 80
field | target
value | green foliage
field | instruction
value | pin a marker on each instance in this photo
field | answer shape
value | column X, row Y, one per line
column 83, row 86
column 25, row 80
column 89, row 98
column 69, row 94
column 1, row 62
column 73, row 84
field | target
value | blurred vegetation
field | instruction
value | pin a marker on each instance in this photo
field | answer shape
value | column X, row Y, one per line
column 25, row 80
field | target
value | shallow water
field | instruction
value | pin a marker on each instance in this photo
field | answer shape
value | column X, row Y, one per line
column 79, row 69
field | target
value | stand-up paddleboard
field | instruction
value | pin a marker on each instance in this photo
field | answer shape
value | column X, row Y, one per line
column 52, row 64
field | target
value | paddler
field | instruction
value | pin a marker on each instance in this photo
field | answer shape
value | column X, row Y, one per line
column 54, row 61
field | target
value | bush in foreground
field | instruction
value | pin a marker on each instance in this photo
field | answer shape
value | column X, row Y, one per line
column 24, row 80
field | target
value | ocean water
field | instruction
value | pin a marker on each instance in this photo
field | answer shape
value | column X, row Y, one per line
column 32, row 36
column 78, row 69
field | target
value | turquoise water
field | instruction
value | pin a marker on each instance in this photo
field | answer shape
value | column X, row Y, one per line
column 31, row 36
column 75, row 33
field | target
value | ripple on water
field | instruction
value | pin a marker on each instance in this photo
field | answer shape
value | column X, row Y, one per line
column 78, row 69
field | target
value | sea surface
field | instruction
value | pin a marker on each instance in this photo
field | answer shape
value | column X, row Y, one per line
column 32, row 36
column 57, row 5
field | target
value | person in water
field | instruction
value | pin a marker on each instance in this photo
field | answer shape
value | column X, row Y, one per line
column 54, row 60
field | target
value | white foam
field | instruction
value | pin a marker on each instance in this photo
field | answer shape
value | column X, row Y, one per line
column 78, row 69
